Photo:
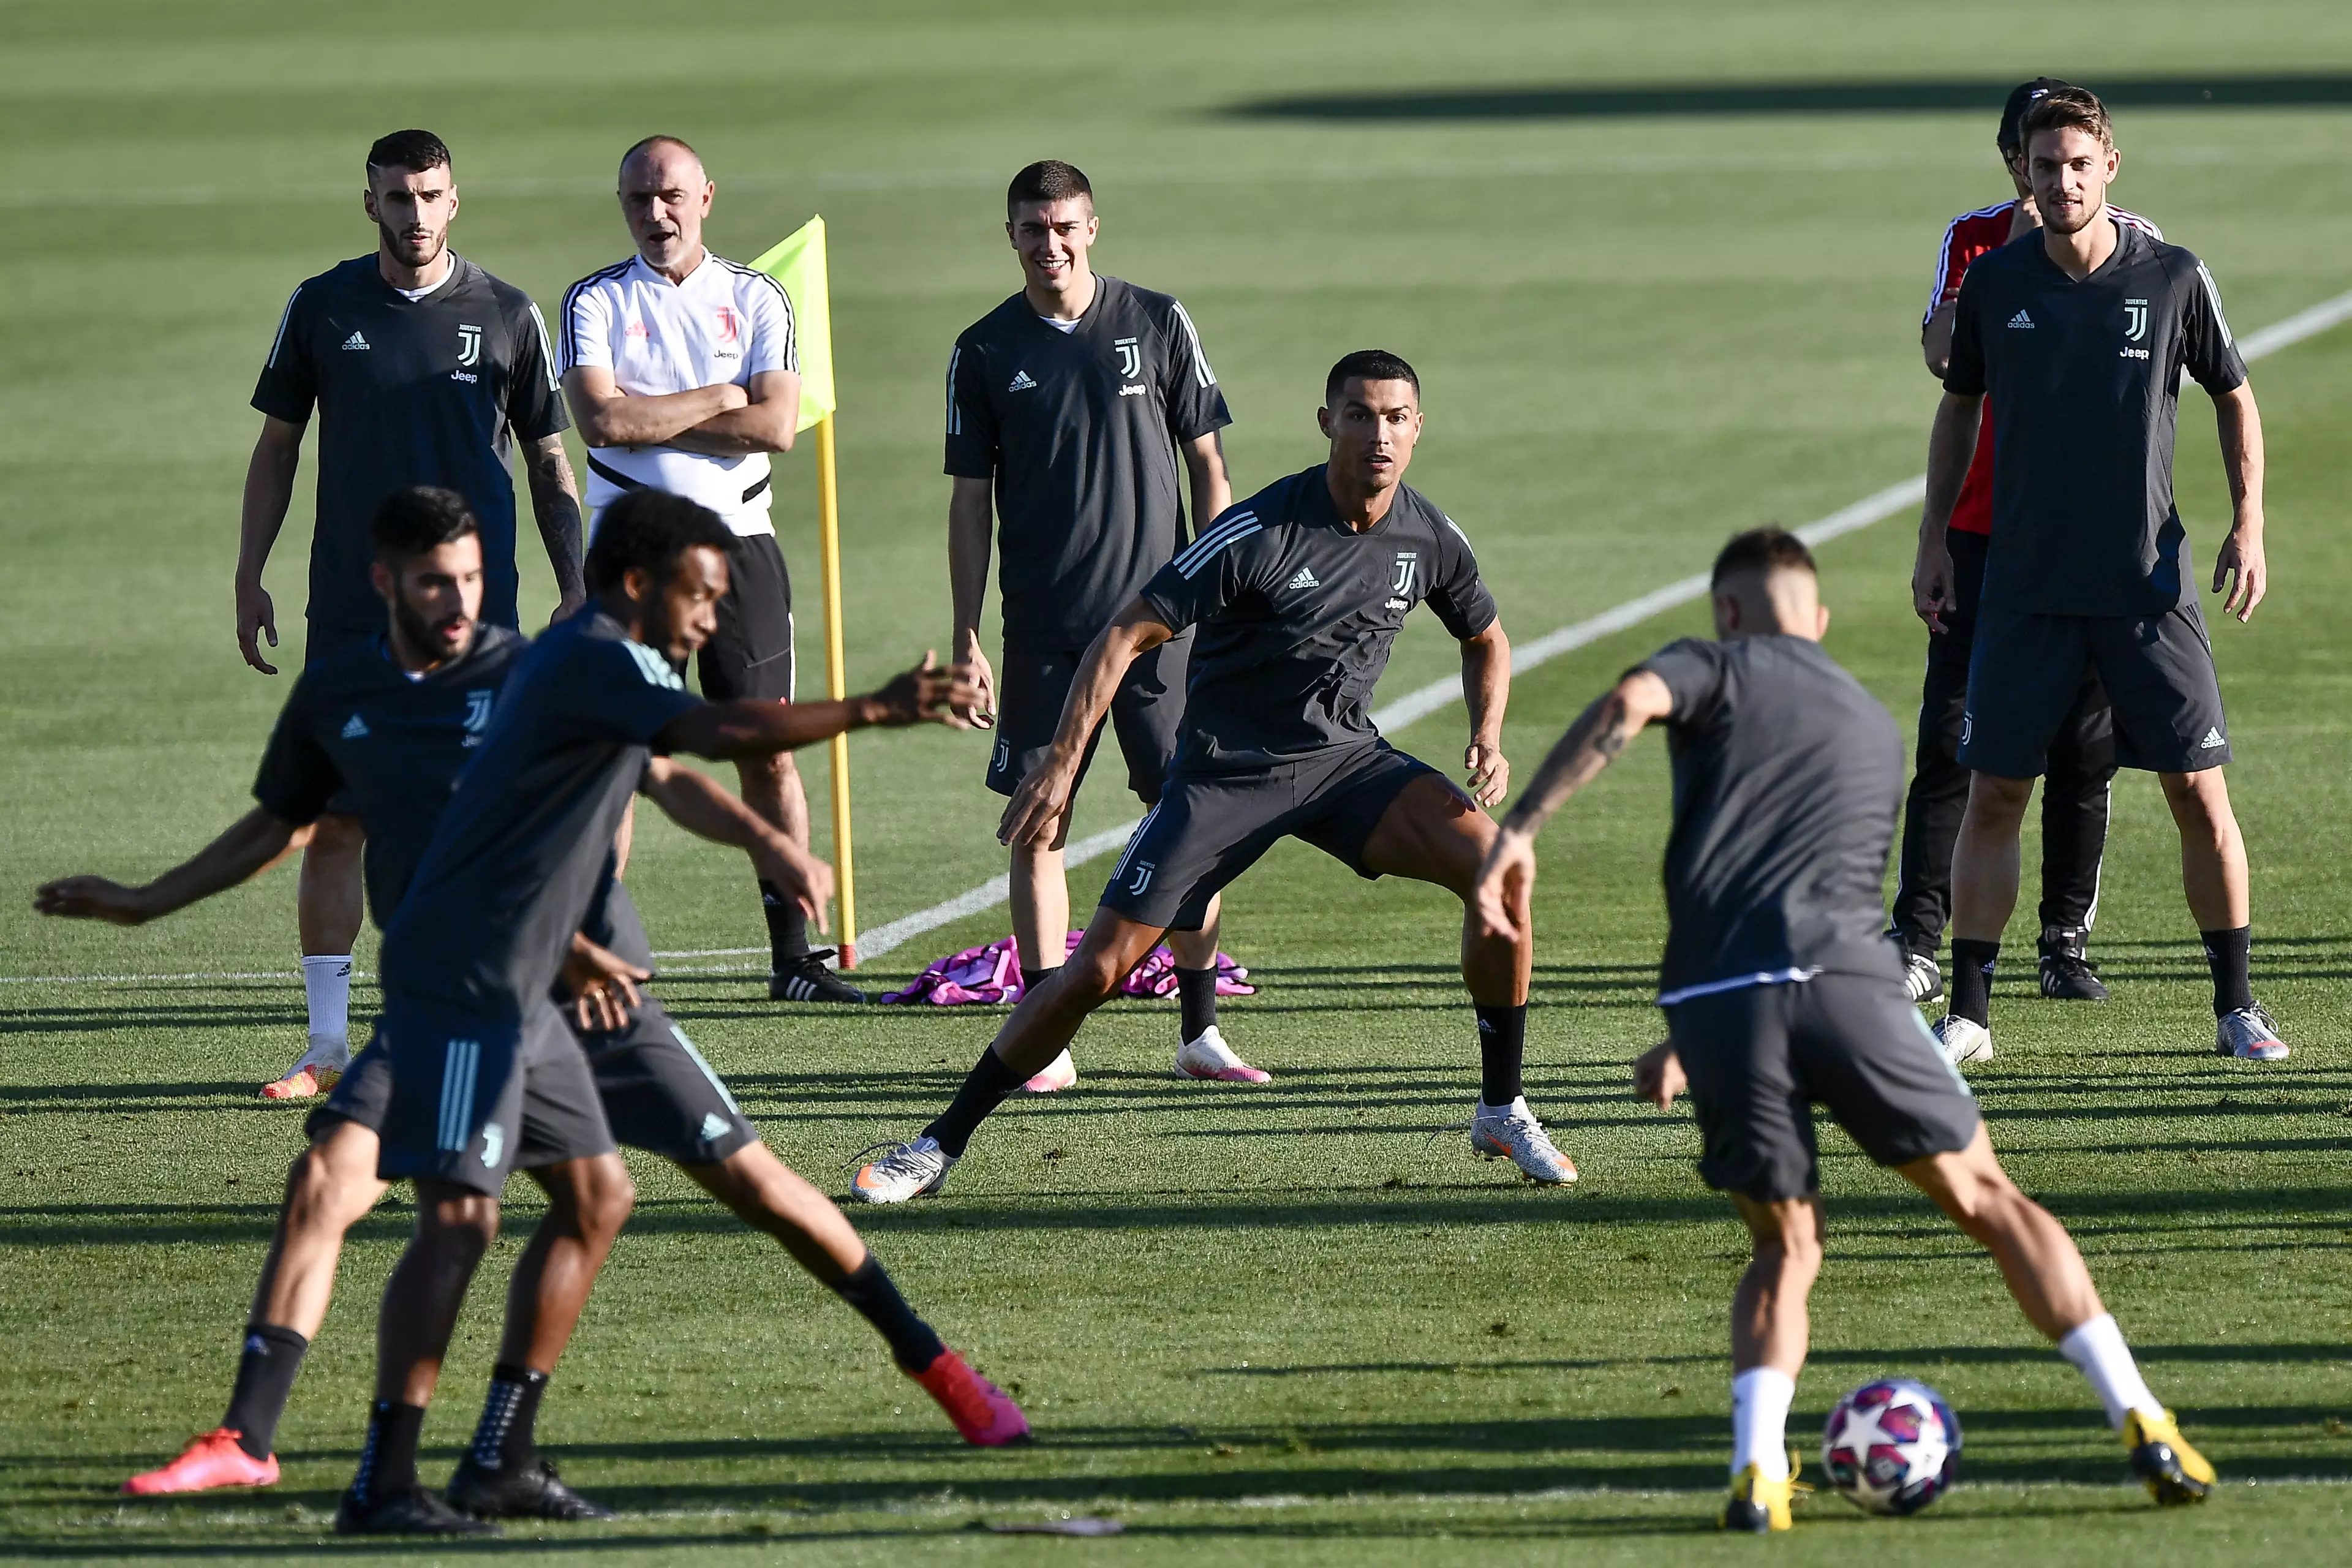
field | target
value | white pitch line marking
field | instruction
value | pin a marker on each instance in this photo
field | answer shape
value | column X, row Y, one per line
column 1412, row 706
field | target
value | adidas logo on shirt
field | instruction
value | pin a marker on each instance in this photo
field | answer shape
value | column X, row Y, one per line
column 356, row 729
column 714, row 1127
column 2212, row 741
column 2020, row 322
column 1021, row 382
column 1305, row 579
column 356, row 340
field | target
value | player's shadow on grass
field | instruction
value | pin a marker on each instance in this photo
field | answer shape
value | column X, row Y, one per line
column 128, row 1098
column 101, row 1020
column 1674, row 100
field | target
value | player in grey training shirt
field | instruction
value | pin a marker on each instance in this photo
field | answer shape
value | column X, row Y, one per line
column 1300, row 592
column 2080, row 333
column 1069, row 406
column 1780, row 995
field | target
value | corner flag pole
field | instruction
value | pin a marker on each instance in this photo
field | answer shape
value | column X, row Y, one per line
column 797, row 263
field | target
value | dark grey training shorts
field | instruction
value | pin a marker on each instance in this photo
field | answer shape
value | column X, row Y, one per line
column 1759, row 1059
column 471, row 1100
column 1209, row 828
column 2026, row 673
column 1147, row 714
column 659, row 1093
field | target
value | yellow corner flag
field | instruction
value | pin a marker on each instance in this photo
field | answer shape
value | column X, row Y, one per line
column 798, row 263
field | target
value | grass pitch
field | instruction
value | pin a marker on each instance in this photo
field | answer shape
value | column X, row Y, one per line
column 1273, row 1325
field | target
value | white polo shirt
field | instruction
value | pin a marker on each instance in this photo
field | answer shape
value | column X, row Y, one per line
column 724, row 323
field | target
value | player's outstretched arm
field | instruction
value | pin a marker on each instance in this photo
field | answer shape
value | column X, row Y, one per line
column 700, row 806
column 253, row 844
column 1599, row 736
column 1036, row 808
column 1951, row 448
column 2240, row 562
column 1487, row 683
column 929, row 693
column 268, row 491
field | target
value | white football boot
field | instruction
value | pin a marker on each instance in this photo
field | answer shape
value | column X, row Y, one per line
column 905, row 1171
column 1210, row 1057
column 1054, row 1076
column 1963, row 1039
column 2248, row 1035
column 1512, row 1132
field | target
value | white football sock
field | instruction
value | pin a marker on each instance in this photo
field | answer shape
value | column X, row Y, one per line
column 1760, row 1397
column 327, row 983
column 2099, row 1353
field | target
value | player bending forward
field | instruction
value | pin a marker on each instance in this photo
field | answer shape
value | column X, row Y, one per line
column 1300, row 592
column 1780, row 993
column 430, row 687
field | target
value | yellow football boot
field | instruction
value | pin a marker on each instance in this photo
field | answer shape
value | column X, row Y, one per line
column 1760, row 1506
column 2173, row 1472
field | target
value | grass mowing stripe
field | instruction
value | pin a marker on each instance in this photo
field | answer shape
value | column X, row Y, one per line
column 1442, row 693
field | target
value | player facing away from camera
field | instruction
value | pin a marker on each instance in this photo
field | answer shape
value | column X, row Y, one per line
column 1298, row 594
column 423, row 369
column 2082, row 751
column 429, row 689
column 478, row 1052
column 683, row 370
column 1069, row 406
column 1780, row 993
column 2080, row 333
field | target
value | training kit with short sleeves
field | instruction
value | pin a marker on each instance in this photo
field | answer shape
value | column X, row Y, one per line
column 428, row 391
column 1079, row 431
column 1297, row 613
column 2089, row 566
column 1780, row 991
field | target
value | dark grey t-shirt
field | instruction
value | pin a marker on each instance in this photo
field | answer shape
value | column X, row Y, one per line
column 1298, row 613
column 410, row 392
column 524, row 849
column 2084, row 380
column 356, row 721
column 1079, row 431
column 1787, row 780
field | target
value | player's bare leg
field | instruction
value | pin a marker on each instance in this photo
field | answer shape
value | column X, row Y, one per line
column 768, row 1195
column 1041, row 924
column 1772, row 1328
column 2212, row 851
column 1985, row 869
column 2046, row 1275
column 330, row 1187
column 330, row 902
column 771, row 787
column 1433, row 833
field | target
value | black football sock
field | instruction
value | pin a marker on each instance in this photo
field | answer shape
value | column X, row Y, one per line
column 1196, row 994
column 913, row 1345
column 788, row 941
column 2231, row 953
column 388, row 1457
column 1502, row 1047
column 265, row 1380
column 984, row 1088
column 508, row 1433
column 1972, row 963
column 1033, row 978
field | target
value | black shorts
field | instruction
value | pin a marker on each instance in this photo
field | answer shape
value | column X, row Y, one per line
column 1760, row 1056
column 2025, row 676
column 659, row 1093
column 471, row 1100
column 1146, row 713
column 1208, row 828
column 322, row 641
column 751, row 653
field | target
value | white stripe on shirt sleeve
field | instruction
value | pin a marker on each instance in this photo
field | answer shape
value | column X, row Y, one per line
column 2213, row 293
column 546, row 354
column 284, row 317
column 955, row 415
column 1201, row 371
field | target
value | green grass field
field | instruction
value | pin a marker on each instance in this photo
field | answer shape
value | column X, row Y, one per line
column 1273, row 1326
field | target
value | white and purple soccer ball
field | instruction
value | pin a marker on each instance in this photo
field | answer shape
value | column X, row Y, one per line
column 1891, row 1446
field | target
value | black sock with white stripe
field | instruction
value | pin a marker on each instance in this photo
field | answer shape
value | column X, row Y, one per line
column 388, row 1457
column 507, row 1436
column 788, row 941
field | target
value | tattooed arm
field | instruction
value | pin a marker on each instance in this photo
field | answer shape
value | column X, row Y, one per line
column 1600, row 734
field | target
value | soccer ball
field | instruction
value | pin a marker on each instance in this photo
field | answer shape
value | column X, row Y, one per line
column 1891, row 1446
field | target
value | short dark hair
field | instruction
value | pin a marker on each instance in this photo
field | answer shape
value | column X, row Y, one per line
column 1368, row 364
column 414, row 151
column 2010, row 137
column 649, row 530
column 418, row 518
column 1768, row 549
column 2067, row 108
column 659, row 140
column 1048, row 180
